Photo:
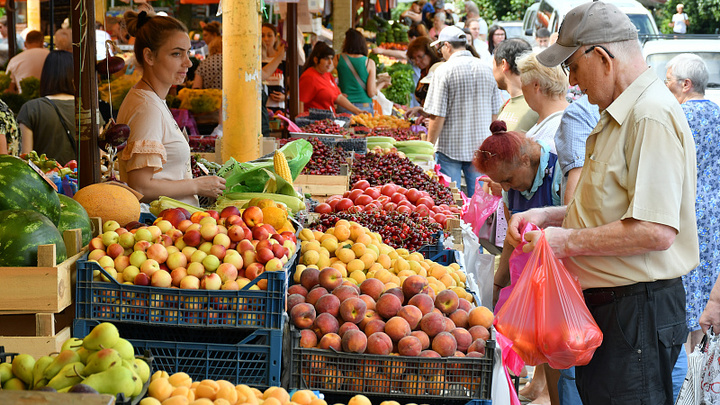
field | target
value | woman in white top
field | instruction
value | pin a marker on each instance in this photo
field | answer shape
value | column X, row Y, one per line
column 156, row 160
column 544, row 89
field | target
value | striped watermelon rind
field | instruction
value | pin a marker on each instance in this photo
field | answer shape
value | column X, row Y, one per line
column 21, row 232
column 22, row 188
column 74, row 216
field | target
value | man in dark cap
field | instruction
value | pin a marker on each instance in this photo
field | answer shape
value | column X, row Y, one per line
column 629, row 233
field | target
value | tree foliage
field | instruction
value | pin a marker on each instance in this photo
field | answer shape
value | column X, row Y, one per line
column 492, row 10
column 702, row 14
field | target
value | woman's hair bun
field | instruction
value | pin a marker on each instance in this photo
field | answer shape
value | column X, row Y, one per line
column 498, row 127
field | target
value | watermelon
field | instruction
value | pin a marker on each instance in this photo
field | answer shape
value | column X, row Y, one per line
column 21, row 232
column 74, row 216
column 22, row 188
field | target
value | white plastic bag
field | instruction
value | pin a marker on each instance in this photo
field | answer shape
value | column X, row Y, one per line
column 479, row 267
column 385, row 104
column 710, row 377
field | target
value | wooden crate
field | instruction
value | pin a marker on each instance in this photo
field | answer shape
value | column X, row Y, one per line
column 53, row 398
column 45, row 288
column 323, row 186
column 35, row 334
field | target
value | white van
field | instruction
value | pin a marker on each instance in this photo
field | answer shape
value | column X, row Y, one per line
column 550, row 14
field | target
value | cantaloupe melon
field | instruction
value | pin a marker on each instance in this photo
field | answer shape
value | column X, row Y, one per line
column 109, row 202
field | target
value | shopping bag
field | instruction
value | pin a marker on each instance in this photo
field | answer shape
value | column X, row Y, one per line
column 690, row 392
column 545, row 315
column 517, row 262
column 478, row 211
column 710, row 377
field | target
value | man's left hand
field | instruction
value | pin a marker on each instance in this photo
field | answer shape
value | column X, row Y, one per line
column 556, row 237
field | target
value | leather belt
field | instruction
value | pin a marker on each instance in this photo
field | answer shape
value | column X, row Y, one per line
column 606, row 295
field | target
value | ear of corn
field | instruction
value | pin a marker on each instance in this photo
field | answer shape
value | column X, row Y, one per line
column 163, row 203
column 281, row 166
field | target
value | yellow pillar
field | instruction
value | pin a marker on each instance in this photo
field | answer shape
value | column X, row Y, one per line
column 242, row 80
column 342, row 21
column 100, row 9
column 33, row 15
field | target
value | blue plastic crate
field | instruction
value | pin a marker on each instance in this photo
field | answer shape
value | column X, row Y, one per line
column 6, row 357
column 446, row 257
column 241, row 357
column 115, row 302
column 430, row 251
column 147, row 218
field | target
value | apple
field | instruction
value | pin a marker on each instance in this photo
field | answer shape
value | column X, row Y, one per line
column 110, row 225
column 142, row 245
column 211, row 263
column 196, row 269
column 177, row 275
column 114, row 250
column 175, row 260
column 141, row 279
column 244, row 245
column 227, row 271
column 209, row 231
column 260, row 232
column 110, row 237
column 289, row 236
column 264, row 255
column 222, row 240
column 129, row 273
column 273, row 264
column 157, row 252
column 121, row 262
column 198, row 256
column 234, row 258
column 253, row 270
column 137, row 258
column 229, row 211
column 161, row 278
column 236, row 233
column 106, row 261
column 126, row 240
column 192, row 237
column 143, row 233
column 218, row 251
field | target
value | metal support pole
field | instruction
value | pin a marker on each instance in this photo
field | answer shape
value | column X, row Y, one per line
column 291, row 68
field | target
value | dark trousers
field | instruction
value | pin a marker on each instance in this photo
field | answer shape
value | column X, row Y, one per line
column 643, row 329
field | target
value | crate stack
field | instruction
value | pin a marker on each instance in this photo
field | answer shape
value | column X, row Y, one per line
column 37, row 320
column 208, row 334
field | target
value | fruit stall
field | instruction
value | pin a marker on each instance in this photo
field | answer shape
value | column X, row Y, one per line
column 329, row 271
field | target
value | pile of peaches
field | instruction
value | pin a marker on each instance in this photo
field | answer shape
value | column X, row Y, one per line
column 206, row 250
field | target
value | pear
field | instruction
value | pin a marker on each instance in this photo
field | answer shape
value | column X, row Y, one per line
column 22, row 368
column 104, row 335
column 142, row 369
column 14, row 384
column 64, row 358
column 39, row 370
column 125, row 349
column 84, row 354
column 72, row 344
column 136, row 378
column 68, row 376
column 101, row 361
column 113, row 381
column 5, row 372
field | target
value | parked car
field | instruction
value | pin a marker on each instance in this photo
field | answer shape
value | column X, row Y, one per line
column 658, row 52
column 550, row 14
column 530, row 23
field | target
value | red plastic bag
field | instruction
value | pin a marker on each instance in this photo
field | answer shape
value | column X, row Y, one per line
column 546, row 316
column 480, row 207
column 518, row 260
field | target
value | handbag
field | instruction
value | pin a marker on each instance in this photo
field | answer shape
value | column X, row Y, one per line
column 65, row 126
column 354, row 72
column 691, row 392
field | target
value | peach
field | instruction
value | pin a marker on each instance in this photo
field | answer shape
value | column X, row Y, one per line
column 477, row 346
column 480, row 316
column 479, row 332
column 449, row 324
column 328, row 303
column 308, row 338
column 330, row 278
column 369, row 301
column 161, row 278
column 464, row 304
column 370, row 315
column 294, row 299
column 314, row 294
column 412, row 315
column 397, row 328
column 298, row 289
column 303, row 315
column 432, row 324
column 353, row 309
column 396, row 291
column 444, row 344
column 252, row 216
column 463, row 339
column 265, row 254
column 354, row 341
column 372, row 287
column 422, row 337
column 346, row 327
column 430, row 368
column 388, row 305
column 189, row 283
column 253, row 270
column 376, row 325
column 446, row 301
column 413, row 285
column 379, row 343
column 325, row 323
column 309, row 278
column 424, row 302
column 460, row 318
column 344, row 292
column 409, row 346
column 330, row 341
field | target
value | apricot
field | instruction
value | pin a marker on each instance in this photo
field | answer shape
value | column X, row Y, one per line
column 160, row 389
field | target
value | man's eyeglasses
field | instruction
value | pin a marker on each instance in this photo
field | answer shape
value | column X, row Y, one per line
column 566, row 66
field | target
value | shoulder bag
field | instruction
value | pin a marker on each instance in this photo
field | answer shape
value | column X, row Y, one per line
column 65, row 126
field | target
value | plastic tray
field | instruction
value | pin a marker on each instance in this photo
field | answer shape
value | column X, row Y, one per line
column 357, row 145
column 241, row 357
column 448, row 379
column 115, row 302
column 430, row 251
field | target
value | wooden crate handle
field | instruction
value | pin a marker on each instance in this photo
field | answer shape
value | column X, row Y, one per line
column 96, row 224
column 73, row 241
column 46, row 255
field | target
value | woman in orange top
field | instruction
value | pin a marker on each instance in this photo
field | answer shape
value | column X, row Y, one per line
column 317, row 85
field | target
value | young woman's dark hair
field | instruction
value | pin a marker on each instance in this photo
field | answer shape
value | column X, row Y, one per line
column 354, row 43
column 150, row 31
column 320, row 51
column 57, row 74
column 491, row 32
